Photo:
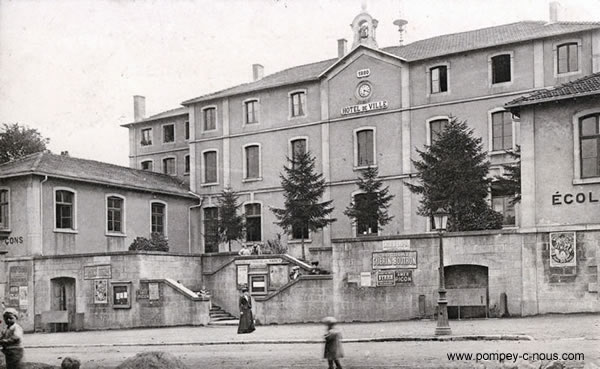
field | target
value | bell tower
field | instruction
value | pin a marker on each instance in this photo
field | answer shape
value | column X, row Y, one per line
column 363, row 28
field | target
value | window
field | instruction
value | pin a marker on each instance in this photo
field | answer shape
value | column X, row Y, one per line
column 253, row 222
column 252, row 162
column 297, row 147
column 502, row 204
column 4, row 209
column 114, row 214
column 168, row 133
column 146, row 137
column 210, row 167
column 502, row 131
column 436, row 127
column 146, row 165
column 187, row 164
column 365, row 153
column 365, row 228
column 298, row 104
column 567, row 58
column 439, row 79
column 64, row 205
column 210, row 119
column 159, row 218
column 501, row 69
column 186, row 128
column 169, row 166
column 251, row 111
column 211, row 227
column 299, row 233
column 589, row 134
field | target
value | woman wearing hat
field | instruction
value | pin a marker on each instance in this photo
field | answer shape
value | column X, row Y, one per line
column 246, row 320
column 12, row 340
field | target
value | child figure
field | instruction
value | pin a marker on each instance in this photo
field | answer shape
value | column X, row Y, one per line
column 333, row 344
column 12, row 339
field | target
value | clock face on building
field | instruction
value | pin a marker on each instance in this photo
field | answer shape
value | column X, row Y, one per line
column 364, row 90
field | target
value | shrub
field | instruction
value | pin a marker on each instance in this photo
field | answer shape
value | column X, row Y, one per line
column 274, row 246
column 157, row 242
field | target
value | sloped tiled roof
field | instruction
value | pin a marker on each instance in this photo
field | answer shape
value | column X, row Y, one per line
column 487, row 37
column 586, row 86
column 165, row 114
column 418, row 50
column 45, row 163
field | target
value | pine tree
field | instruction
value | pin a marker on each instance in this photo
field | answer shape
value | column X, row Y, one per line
column 303, row 188
column 510, row 182
column 453, row 172
column 369, row 208
column 231, row 223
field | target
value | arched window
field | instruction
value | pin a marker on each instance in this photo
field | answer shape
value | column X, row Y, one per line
column 158, row 217
column 115, row 214
column 65, row 209
column 364, row 146
column 589, row 138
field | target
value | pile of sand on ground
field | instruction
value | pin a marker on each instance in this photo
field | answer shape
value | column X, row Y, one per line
column 153, row 360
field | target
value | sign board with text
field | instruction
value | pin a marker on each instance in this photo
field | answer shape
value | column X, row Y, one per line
column 394, row 259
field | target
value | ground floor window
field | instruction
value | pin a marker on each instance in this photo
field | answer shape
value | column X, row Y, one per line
column 211, row 228
column 365, row 227
column 253, row 222
column 502, row 203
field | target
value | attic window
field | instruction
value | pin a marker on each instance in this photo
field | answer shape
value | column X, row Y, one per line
column 501, row 69
column 567, row 58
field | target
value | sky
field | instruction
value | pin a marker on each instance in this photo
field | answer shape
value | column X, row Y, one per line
column 70, row 69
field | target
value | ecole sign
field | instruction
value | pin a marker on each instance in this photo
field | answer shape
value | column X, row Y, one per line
column 570, row 198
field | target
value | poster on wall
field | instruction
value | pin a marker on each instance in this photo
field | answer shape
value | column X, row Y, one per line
column 100, row 291
column 153, row 291
column 242, row 276
column 563, row 251
column 23, row 300
column 13, row 296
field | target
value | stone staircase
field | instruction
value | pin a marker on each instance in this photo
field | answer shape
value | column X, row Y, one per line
column 218, row 316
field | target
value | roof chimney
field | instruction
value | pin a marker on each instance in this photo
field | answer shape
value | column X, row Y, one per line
column 139, row 108
column 342, row 43
column 554, row 5
column 257, row 72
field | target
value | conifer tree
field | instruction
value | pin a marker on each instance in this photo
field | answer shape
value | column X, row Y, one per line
column 303, row 188
column 369, row 208
column 453, row 174
column 231, row 223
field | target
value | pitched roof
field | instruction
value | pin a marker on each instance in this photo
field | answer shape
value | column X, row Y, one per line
column 418, row 50
column 165, row 114
column 487, row 37
column 46, row 163
column 586, row 86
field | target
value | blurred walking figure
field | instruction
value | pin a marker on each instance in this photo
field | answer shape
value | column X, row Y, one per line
column 246, row 320
column 12, row 339
column 333, row 343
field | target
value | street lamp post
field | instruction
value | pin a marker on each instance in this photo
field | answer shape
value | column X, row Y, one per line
column 443, row 328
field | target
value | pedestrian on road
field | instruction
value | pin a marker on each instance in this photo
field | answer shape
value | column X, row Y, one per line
column 12, row 339
column 246, row 320
column 333, row 343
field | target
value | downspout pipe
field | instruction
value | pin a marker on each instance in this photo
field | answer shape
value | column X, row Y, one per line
column 42, row 246
column 201, row 200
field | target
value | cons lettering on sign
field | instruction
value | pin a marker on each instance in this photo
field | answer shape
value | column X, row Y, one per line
column 13, row 241
column 569, row 198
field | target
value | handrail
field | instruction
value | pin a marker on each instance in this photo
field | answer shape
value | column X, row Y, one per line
column 291, row 283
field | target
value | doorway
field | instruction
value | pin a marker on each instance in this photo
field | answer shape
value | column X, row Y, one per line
column 467, row 291
column 63, row 299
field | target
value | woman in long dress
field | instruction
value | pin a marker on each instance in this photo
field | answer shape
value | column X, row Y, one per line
column 246, row 319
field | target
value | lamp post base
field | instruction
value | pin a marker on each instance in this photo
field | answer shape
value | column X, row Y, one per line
column 443, row 327
column 443, row 331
